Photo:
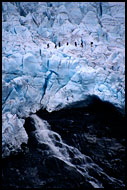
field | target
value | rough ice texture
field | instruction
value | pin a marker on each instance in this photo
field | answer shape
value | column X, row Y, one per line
column 35, row 77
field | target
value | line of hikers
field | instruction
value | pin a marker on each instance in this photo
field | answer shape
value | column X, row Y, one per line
column 59, row 45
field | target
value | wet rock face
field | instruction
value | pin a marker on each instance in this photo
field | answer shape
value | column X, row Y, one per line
column 74, row 147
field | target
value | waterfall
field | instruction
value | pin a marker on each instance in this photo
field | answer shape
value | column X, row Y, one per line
column 71, row 156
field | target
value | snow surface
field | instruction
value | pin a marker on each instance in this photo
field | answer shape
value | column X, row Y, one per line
column 34, row 76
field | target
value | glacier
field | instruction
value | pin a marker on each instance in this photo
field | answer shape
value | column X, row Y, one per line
column 36, row 77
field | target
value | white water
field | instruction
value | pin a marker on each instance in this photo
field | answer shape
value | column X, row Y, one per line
column 70, row 155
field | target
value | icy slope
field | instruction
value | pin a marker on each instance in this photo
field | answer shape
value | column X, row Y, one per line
column 35, row 77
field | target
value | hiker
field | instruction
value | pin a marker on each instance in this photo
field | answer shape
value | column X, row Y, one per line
column 67, row 43
column 47, row 45
column 59, row 44
column 76, row 44
column 81, row 43
column 91, row 44
column 40, row 52
column 112, row 68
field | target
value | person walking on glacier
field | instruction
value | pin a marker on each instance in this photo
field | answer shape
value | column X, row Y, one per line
column 75, row 44
column 81, row 43
column 91, row 44
column 59, row 44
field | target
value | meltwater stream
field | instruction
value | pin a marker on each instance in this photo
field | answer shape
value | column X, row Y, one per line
column 71, row 156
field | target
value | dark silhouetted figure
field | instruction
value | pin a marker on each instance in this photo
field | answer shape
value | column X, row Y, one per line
column 55, row 46
column 81, row 44
column 47, row 45
column 67, row 43
column 76, row 44
column 40, row 52
column 91, row 44
column 59, row 44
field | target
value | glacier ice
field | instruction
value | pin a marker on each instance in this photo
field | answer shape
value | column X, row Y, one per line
column 35, row 77
column 13, row 132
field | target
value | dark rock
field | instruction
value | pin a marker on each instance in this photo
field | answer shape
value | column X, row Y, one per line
column 97, row 131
